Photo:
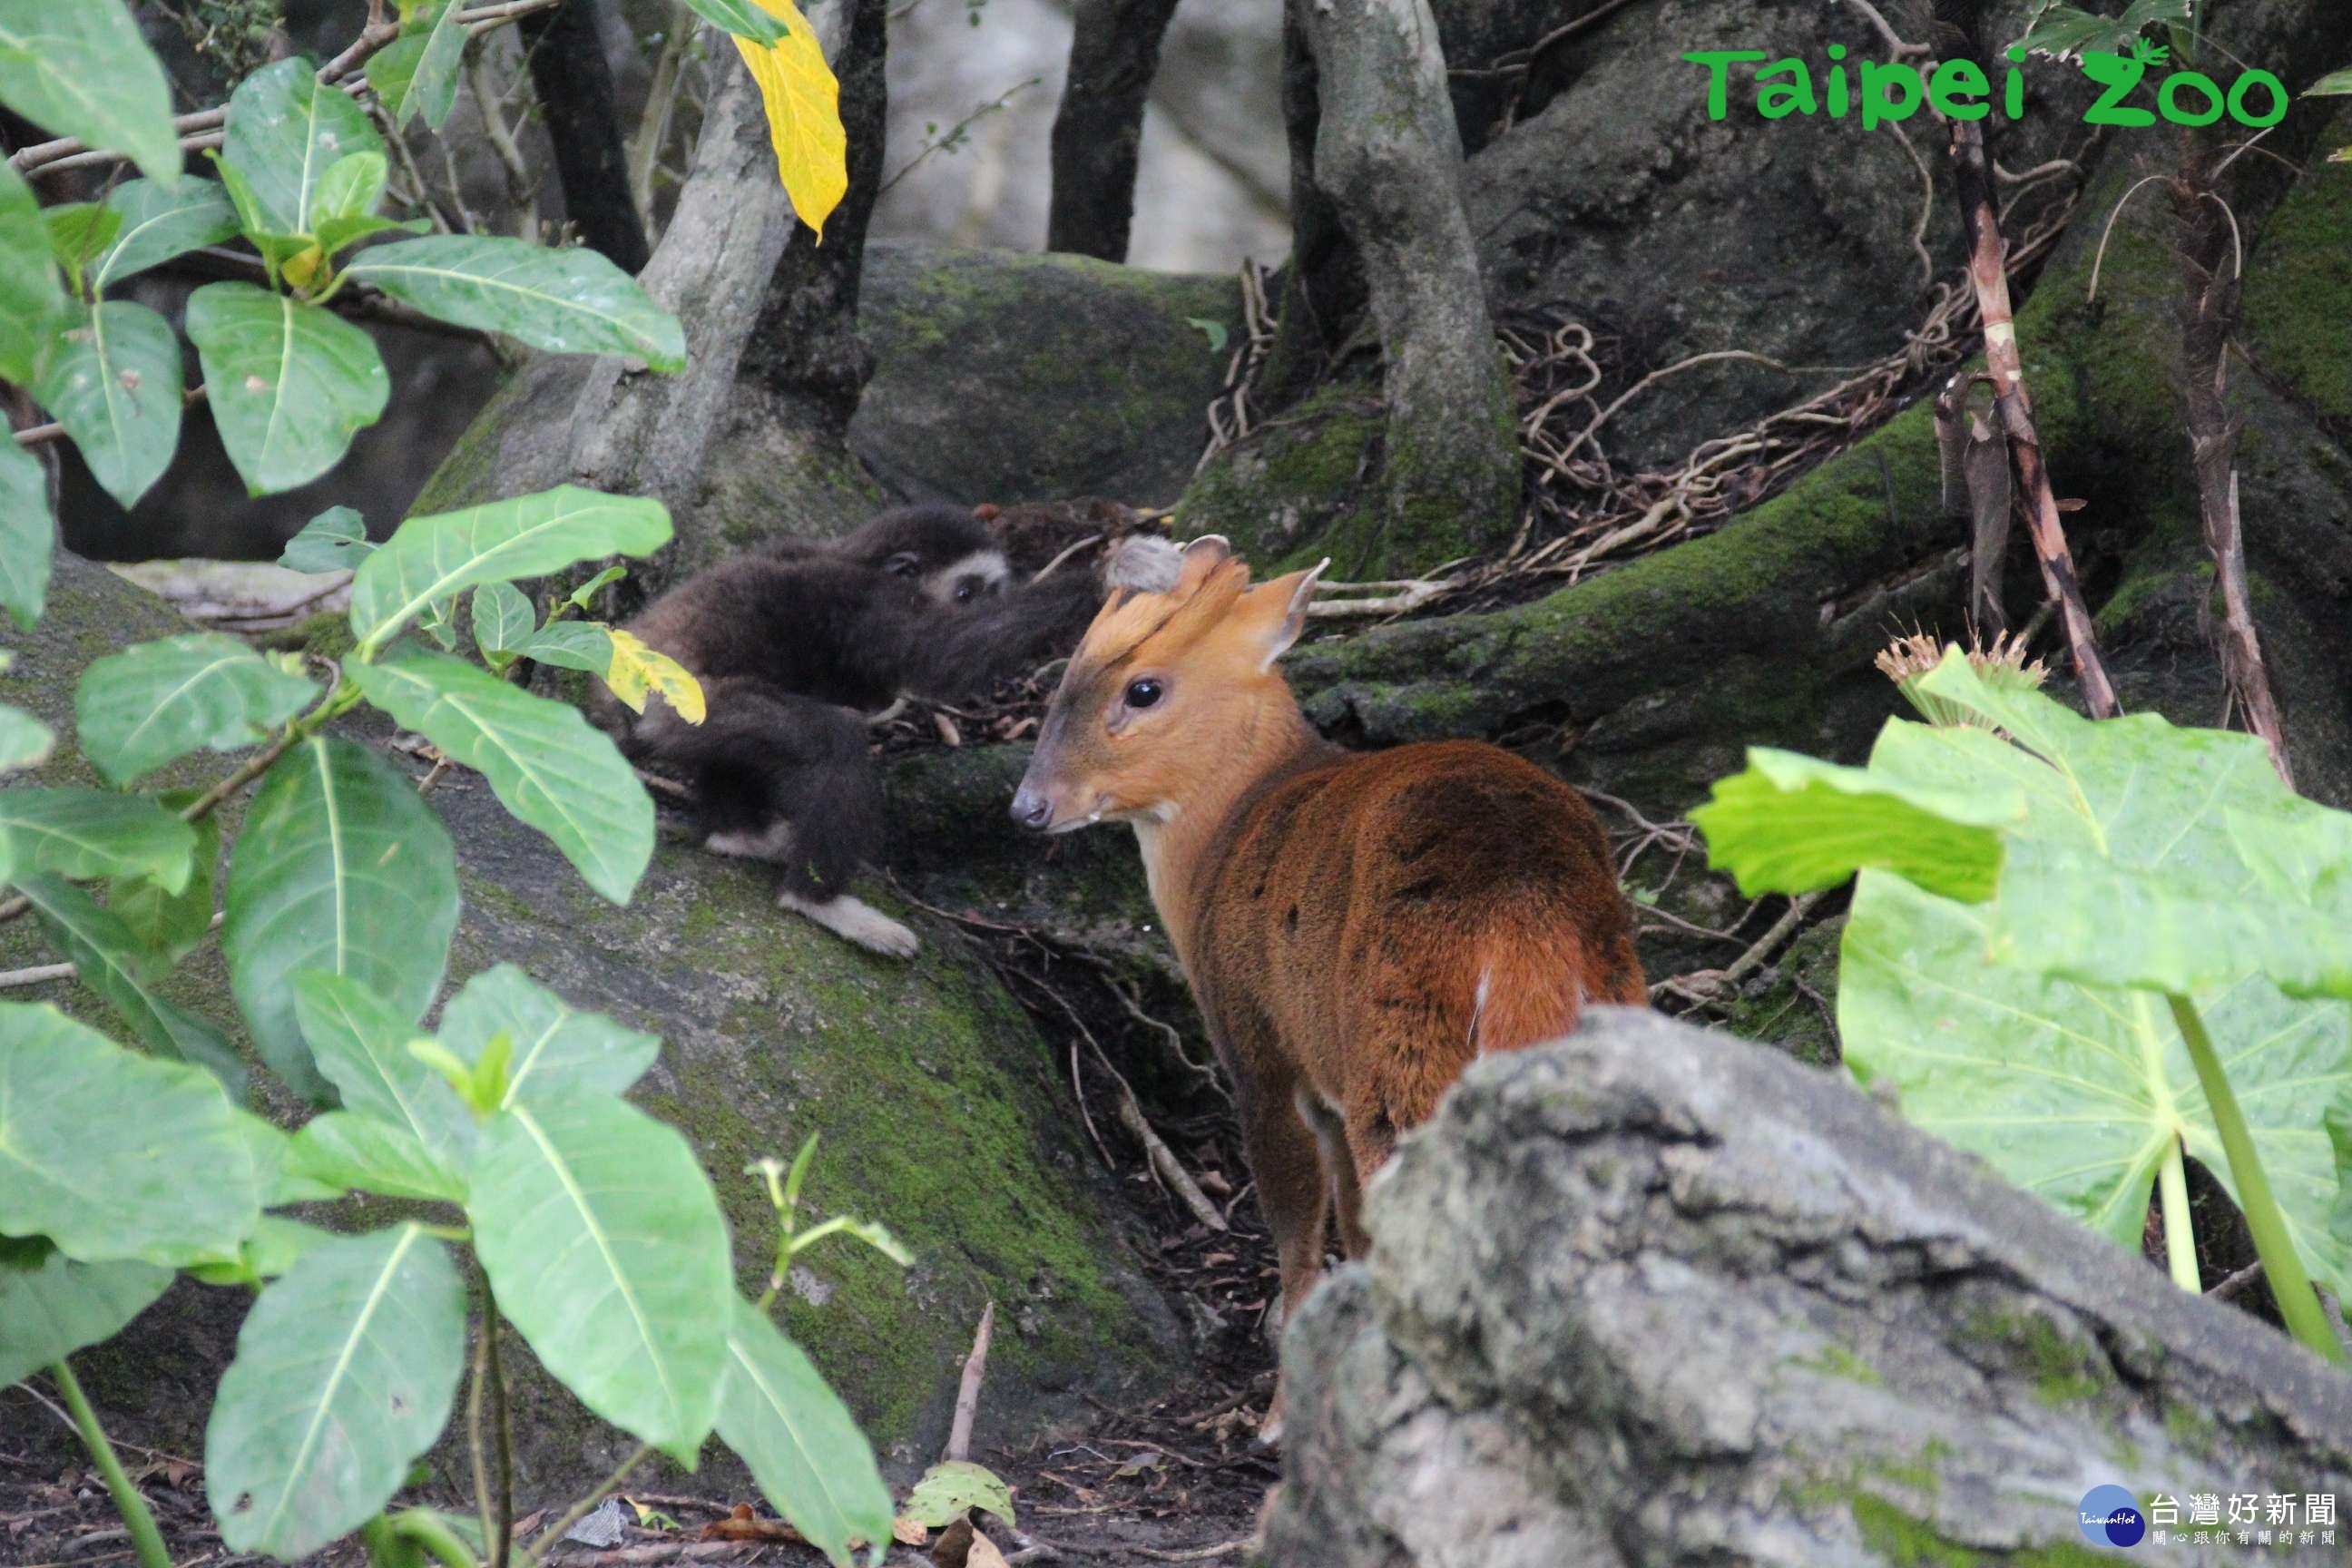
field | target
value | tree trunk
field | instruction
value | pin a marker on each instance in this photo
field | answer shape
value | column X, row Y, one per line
column 574, row 83
column 1114, row 55
column 1389, row 158
column 1651, row 1296
column 599, row 423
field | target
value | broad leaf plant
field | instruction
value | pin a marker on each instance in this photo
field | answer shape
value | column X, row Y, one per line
column 538, row 1196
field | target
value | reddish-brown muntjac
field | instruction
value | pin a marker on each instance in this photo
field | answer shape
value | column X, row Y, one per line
column 1355, row 926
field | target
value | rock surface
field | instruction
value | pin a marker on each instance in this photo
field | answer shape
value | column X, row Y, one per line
column 941, row 1114
column 1650, row 1296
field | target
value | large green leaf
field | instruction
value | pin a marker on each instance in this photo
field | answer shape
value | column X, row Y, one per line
column 290, row 382
column 51, row 1306
column 804, row 1446
column 30, row 293
column 28, row 534
column 100, row 1148
column 111, row 961
column 334, row 541
column 348, row 1150
column 555, row 1047
column 547, row 763
column 431, row 558
column 345, row 1372
column 2074, row 1090
column 2129, row 866
column 418, row 72
column 158, row 223
column 565, row 301
column 604, row 1246
column 285, row 131
column 137, row 710
column 361, row 1042
column 341, row 867
column 112, row 380
column 78, row 67
column 84, row 833
column 1790, row 824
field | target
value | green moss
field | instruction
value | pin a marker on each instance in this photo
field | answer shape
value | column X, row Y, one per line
column 1836, row 1360
column 1904, row 1542
column 1295, row 490
column 2064, row 1370
column 2298, row 279
column 936, row 1122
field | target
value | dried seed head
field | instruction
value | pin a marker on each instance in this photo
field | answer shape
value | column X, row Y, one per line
column 2002, row 666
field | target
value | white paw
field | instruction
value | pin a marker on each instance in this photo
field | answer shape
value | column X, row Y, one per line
column 856, row 921
column 772, row 843
column 1144, row 562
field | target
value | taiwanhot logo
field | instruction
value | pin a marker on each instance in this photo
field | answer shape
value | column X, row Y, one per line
column 2111, row 1516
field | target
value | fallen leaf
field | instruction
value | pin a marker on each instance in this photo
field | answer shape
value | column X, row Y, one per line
column 984, row 1553
column 742, row 1524
column 910, row 1532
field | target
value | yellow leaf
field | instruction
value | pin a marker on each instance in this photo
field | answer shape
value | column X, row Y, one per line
column 637, row 669
column 302, row 266
column 804, row 115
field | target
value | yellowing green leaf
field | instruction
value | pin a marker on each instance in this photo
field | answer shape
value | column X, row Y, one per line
column 803, row 102
column 637, row 669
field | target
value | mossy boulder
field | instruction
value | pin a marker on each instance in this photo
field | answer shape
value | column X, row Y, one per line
column 1001, row 376
column 939, row 1108
column 1654, row 1296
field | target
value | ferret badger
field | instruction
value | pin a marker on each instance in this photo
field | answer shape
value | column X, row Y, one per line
column 797, row 642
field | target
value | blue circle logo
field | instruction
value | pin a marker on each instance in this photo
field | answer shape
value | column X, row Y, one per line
column 2111, row 1516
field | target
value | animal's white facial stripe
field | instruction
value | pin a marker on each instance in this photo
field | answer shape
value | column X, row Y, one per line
column 987, row 564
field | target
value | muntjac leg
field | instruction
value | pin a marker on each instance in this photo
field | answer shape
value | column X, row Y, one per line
column 1292, row 1190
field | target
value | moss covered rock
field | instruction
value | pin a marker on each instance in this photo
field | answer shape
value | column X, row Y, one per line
column 1002, row 376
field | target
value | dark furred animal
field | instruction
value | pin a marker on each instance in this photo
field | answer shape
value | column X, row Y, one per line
column 794, row 642
column 1355, row 926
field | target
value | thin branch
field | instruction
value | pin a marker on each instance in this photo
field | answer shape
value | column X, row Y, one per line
column 53, row 431
column 967, row 1404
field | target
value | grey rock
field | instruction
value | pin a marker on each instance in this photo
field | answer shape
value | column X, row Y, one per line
column 1651, row 1296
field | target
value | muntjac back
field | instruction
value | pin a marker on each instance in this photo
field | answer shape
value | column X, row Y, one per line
column 1355, row 928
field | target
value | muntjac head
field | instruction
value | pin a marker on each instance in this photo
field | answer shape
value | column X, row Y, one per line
column 1172, row 697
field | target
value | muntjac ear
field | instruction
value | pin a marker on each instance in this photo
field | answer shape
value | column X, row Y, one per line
column 1276, row 612
column 1202, row 556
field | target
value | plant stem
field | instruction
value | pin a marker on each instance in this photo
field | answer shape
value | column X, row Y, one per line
column 581, row 1510
column 501, row 1541
column 145, row 1539
column 474, row 1450
column 439, row 1542
column 382, row 1546
column 2298, row 1303
column 2179, row 1236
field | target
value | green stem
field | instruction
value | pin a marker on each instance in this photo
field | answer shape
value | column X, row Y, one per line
column 2290, row 1285
column 433, row 1533
column 384, row 1549
column 145, row 1537
column 2179, row 1236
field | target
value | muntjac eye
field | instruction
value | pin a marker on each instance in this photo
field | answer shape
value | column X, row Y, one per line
column 1143, row 693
